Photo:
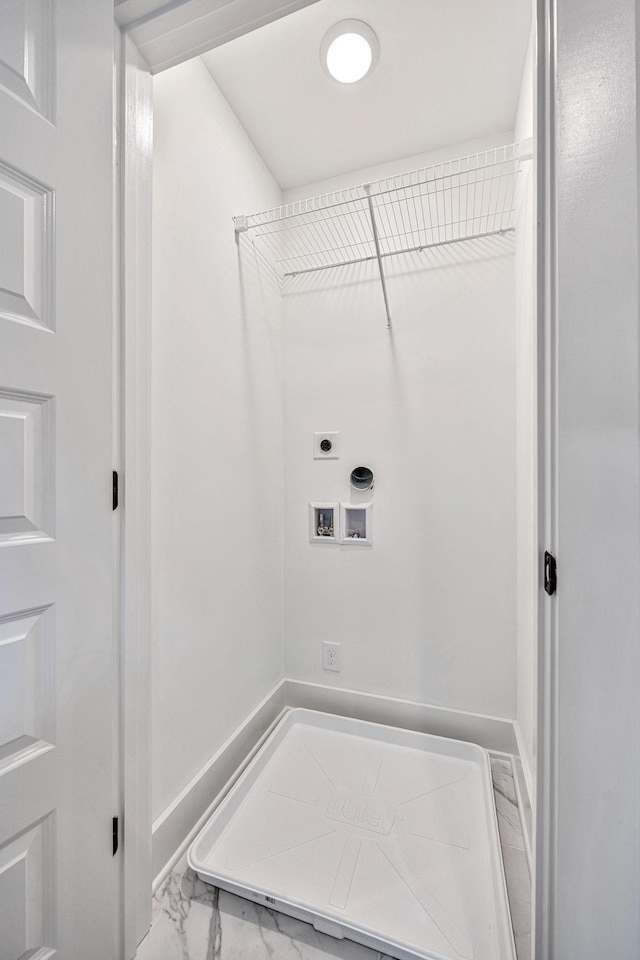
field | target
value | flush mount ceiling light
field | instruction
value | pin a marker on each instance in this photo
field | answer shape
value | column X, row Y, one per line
column 349, row 51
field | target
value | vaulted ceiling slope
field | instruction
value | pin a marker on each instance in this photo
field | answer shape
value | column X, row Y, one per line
column 449, row 71
column 167, row 32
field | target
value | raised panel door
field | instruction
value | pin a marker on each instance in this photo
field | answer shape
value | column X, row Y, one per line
column 57, row 662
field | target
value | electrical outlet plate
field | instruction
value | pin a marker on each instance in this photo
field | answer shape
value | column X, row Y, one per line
column 331, row 655
column 333, row 437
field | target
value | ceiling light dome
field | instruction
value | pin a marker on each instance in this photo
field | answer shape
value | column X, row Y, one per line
column 349, row 51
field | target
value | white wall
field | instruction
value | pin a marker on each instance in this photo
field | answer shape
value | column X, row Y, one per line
column 398, row 166
column 216, row 435
column 526, row 454
column 428, row 613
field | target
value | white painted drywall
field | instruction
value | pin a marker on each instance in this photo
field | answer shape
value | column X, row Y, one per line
column 594, row 704
column 216, row 435
column 398, row 166
column 428, row 613
column 527, row 574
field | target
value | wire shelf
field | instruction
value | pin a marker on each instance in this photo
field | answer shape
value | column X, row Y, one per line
column 445, row 203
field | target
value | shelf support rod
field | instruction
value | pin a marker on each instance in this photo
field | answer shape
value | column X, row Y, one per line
column 376, row 240
column 397, row 253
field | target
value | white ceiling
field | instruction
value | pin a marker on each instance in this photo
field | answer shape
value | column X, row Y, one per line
column 449, row 71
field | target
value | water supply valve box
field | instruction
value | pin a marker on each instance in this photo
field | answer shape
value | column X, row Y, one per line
column 323, row 522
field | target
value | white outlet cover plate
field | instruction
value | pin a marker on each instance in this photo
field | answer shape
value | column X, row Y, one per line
column 330, row 647
column 334, row 453
column 385, row 836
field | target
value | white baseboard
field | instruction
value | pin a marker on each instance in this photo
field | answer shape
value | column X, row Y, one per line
column 179, row 823
column 492, row 733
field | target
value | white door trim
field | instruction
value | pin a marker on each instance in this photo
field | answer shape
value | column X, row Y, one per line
column 135, row 160
column 589, row 655
column 170, row 33
column 546, row 748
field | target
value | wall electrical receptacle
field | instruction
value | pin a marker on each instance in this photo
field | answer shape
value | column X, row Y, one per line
column 326, row 446
column 331, row 655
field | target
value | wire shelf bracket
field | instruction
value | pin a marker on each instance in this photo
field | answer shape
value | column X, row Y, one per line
column 449, row 202
column 376, row 239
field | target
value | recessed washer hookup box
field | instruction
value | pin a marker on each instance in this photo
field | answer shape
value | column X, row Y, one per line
column 385, row 836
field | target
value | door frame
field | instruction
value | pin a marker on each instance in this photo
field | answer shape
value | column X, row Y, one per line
column 135, row 158
column 134, row 137
column 543, row 846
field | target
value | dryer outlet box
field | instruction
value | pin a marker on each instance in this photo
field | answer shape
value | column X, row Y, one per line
column 326, row 446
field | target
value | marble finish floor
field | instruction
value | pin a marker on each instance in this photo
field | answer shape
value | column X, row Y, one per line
column 193, row 921
column 514, row 857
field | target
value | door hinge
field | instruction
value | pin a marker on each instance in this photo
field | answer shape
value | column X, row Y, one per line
column 115, row 489
column 115, row 835
column 550, row 573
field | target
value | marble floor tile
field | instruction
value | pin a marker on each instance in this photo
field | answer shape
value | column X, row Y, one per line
column 514, row 858
column 193, row 921
column 509, row 822
column 516, row 871
column 523, row 946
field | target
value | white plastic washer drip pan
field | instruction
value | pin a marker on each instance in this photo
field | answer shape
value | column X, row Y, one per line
column 385, row 836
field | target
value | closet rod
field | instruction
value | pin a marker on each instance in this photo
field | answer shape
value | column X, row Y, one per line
column 376, row 240
column 397, row 253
